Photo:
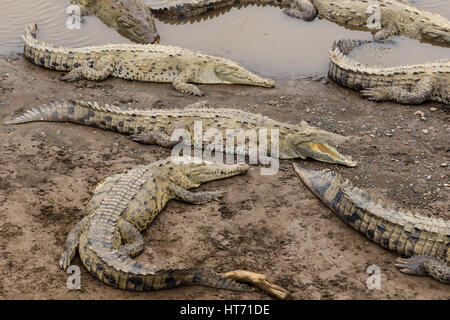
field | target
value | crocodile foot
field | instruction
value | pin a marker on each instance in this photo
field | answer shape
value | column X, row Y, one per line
column 259, row 280
column 194, row 91
column 65, row 259
column 374, row 94
column 299, row 14
column 71, row 76
column 413, row 265
column 382, row 35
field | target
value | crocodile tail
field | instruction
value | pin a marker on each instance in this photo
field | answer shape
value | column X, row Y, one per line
column 347, row 72
column 82, row 112
column 30, row 33
column 347, row 45
column 200, row 276
column 120, row 271
column 392, row 228
column 53, row 111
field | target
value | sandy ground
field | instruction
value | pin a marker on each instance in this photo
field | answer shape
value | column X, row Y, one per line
column 267, row 224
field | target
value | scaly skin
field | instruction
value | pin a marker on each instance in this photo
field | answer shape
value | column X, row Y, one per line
column 154, row 63
column 397, row 17
column 182, row 9
column 157, row 126
column 425, row 240
column 411, row 84
column 124, row 205
column 131, row 18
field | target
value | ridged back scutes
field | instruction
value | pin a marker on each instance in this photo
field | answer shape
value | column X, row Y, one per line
column 200, row 113
column 122, row 192
column 389, row 213
column 174, row 5
column 107, row 215
column 339, row 57
column 29, row 38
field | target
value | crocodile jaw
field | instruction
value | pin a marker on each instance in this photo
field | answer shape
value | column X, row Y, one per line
column 317, row 144
column 228, row 72
column 435, row 34
column 325, row 153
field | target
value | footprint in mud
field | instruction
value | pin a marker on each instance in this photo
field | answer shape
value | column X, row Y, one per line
column 229, row 211
column 9, row 231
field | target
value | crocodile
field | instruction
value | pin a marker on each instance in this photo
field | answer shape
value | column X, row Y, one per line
column 424, row 240
column 154, row 63
column 158, row 126
column 397, row 17
column 411, row 84
column 184, row 9
column 384, row 18
column 131, row 18
column 124, row 205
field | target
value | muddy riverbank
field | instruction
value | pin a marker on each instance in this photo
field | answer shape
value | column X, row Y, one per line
column 267, row 224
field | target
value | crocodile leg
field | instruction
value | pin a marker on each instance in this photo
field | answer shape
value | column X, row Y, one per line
column 132, row 238
column 301, row 9
column 382, row 35
column 158, row 138
column 198, row 105
column 180, row 83
column 72, row 243
column 424, row 265
column 419, row 93
column 194, row 197
column 259, row 280
column 100, row 71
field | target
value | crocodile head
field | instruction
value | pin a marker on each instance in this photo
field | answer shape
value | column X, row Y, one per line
column 135, row 22
column 199, row 171
column 433, row 27
column 434, row 33
column 229, row 72
column 310, row 142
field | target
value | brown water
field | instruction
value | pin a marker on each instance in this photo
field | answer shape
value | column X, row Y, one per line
column 263, row 39
column 50, row 16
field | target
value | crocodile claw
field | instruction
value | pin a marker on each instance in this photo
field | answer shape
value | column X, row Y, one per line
column 64, row 261
column 207, row 196
column 217, row 195
column 374, row 94
column 197, row 92
column 413, row 265
column 140, row 138
column 71, row 76
column 259, row 280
